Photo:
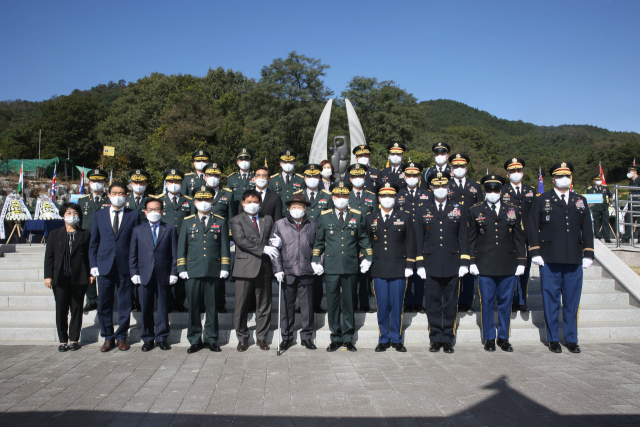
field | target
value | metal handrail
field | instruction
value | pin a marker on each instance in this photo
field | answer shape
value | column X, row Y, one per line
column 630, row 202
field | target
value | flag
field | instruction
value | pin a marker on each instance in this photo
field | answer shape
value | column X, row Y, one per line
column 265, row 162
column 109, row 151
column 604, row 181
column 634, row 161
column 540, row 181
column 54, row 185
column 111, row 178
column 21, row 179
column 81, row 192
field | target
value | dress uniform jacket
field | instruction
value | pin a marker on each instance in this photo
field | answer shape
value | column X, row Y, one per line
column 203, row 253
column 238, row 186
column 222, row 202
column 386, row 175
column 370, row 179
column 560, row 234
column 130, row 202
column 423, row 182
column 496, row 242
column 367, row 204
column 393, row 243
column 89, row 208
column 468, row 195
column 524, row 201
column 442, row 239
column 175, row 216
column 607, row 195
column 285, row 191
column 341, row 244
column 409, row 203
column 322, row 202
column 191, row 180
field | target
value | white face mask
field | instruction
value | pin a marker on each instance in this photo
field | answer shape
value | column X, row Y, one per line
column 97, row 186
column 387, row 202
column 71, row 219
column 117, row 201
column 441, row 159
column 326, row 173
column 173, row 188
column 296, row 213
column 261, row 182
column 630, row 175
column 598, row 183
column 287, row 167
column 363, row 160
column 199, row 166
column 564, row 182
column 154, row 216
column 311, row 182
column 493, row 197
column 395, row 158
column 459, row 172
column 203, row 206
column 251, row 208
column 412, row 182
column 244, row 165
column 357, row 182
column 340, row 203
column 138, row 189
column 440, row 193
column 213, row 181
column 515, row 177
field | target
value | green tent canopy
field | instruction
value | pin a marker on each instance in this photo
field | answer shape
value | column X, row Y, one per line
column 32, row 165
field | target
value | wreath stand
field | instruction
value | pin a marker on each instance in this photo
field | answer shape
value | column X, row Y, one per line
column 16, row 228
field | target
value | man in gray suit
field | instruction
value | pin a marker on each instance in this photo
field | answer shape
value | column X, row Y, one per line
column 252, row 269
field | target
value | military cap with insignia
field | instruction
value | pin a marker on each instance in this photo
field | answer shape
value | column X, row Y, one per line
column 396, row 148
column 440, row 147
column 213, row 169
column 357, row 169
column 170, row 174
column 288, row 155
column 97, row 174
column 243, row 153
column 634, row 168
column 388, row 189
column 438, row 178
column 459, row 159
column 139, row 175
column 561, row 169
column 201, row 155
column 597, row 177
column 412, row 168
column 203, row 192
column 493, row 181
column 359, row 150
column 514, row 163
column 341, row 187
column 312, row 169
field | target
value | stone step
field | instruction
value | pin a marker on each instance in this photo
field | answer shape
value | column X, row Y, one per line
column 21, row 262
column 16, row 274
column 29, row 255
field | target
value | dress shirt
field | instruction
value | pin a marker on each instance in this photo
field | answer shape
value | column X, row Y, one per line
column 261, row 192
column 309, row 191
column 517, row 187
column 284, row 175
column 157, row 224
column 444, row 204
column 460, row 182
column 497, row 204
column 384, row 215
column 559, row 194
column 208, row 216
column 112, row 214
column 257, row 220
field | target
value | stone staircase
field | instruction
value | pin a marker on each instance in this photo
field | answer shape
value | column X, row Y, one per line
column 27, row 311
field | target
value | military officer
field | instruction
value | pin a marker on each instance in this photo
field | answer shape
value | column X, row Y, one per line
column 363, row 157
column 287, row 182
column 90, row 203
column 561, row 243
column 341, row 235
column 391, row 233
column 600, row 211
column 634, row 195
column 177, row 207
column 496, row 258
column 408, row 200
column 440, row 153
column 522, row 196
column 393, row 174
column 138, row 196
column 203, row 260
column 193, row 180
column 443, row 258
column 240, row 181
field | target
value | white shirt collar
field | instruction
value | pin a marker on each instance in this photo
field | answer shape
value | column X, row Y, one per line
column 516, row 186
column 559, row 194
column 385, row 214
column 284, row 174
column 461, row 181
column 497, row 204
column 344, row 212
column 444, row 204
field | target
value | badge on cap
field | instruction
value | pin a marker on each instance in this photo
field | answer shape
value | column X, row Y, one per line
column 138, row 171
column 173, row 171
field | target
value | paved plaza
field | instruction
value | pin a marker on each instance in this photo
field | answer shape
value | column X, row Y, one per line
column 530, row 387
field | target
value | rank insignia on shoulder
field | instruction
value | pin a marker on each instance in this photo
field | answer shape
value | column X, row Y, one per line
column 355, row 211
column 274, row 175
column 325, row 191
column 326, row 211
column 297, row 192
column 228, row 190
column 190, row 216
column 370, row 192
column 216, row 215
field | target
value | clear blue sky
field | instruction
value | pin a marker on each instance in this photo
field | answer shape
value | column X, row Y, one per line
column 546, row 62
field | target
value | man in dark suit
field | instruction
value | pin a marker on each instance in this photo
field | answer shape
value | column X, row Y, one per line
column 109, row 259
column 136, row 200
column 252, row 269
column 270, row 201
column 153, row 266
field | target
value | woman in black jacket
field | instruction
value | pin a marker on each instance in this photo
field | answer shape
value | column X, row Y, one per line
column 66, row 271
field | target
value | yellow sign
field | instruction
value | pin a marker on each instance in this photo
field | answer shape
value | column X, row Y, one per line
column 109, row 151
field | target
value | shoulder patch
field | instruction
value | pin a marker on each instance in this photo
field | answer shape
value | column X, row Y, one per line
column 190, row 173
column 326, row 211
column 355, row 211
column 229, row 176
column 221, row 217
column 274, row 175
column 300, row 176
column 158, row 196
column 478, row 204
column 370, row 192
column 298, row 192
column 82, row 197
column 187, row 197
column 228, row 190
column 326, row 191
column 190, row 216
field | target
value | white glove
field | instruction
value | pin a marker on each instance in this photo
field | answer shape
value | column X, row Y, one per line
column 317, row 268
column 275, row 241
column 520, row 270
column 364, row 266
column 94, row 272
column 422, row 273
column 474, row 270
column 271, row 251
column 586, row 263
column 173, row 280
column 408, row 272
column 280, row 277
column 184, row 275
column 537, row 260
column 136, row 280
column 462, row 271
column 224, row 274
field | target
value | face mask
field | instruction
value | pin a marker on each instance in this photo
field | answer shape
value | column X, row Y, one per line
column 213, row 181
column 441, row 160
column 363, row 160
column 515, row 177
column 244, row 165
column 199, row 165
column 154, row 216
column 387, row 202
column 173, row 188
column 97, row 186
column 395, row 159
column 630, row 175
column 440, row 193
column 287, row 167
column 411, row 182
column 598, row 183
column 564, row 182
column 296, row 213
column 71, row 220
column 203, row 206
column 326, row 173
column 340, row 203
column 312, row 182
column 357, row 182
column 117, row 201
column 459, row 172
column 493, row 197
column 138, row 189
column 261, row 182
column 251, row 208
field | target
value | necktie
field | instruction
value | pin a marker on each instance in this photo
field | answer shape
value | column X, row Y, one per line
column 244, row 178
column 413, row 194
column 286, row 179
column 116, row 222
column 518, row 191
column 341, row 218
column 204, row 222
column 154, row 230
column 261, row 196
column 493, row 206
column 564, row 202
column 97, row 200
column 358, row 196
column 137, row 202
column 175, row 202
column 440, row 207
column 255, row 223
column 386, row 218
column 312, row 197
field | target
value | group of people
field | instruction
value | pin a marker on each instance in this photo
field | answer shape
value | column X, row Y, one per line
column 412, row 238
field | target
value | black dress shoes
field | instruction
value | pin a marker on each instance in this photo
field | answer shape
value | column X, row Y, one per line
column 195, row 348
column 447, row 347
column 524, row 309
column 214, row 347
column 573, row 347
column 490, row 345
column 286, row 345
column 74, row 346
column 319, row 310
column 554, row 347
column 164, row 345
column 435, row 347
column 89, row 307
column 334, row 346
column 62, row 348
column 382, row 347
column 203, row 310
column 464, row 308
column 505, row 345
column 147, row 346
column 399, row 347
column 242, row 346
column 624, row 240
column 369, row 309
column 350, row 347
column 308, row 344
column 297, row 310
column 607, row 240
column 421, row 309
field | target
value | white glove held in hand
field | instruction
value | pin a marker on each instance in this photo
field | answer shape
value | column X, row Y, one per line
column 184, row 275
column 586, row 263
column 462, row 271
column 136, row 280
column 408, row 272
column 275, row 241
column 271, row 251
column 94, row 272
column 364, row 266
column 422, row 273
column 317, row 268
column 537, row 260
column 474, row 270
column 173, row 280
column 520, row 270
column 224, row 274
column 280, row 277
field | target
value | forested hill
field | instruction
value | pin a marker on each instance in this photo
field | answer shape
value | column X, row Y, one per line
column 157, row 121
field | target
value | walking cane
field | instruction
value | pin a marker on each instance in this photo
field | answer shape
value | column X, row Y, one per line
column 279, row 308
